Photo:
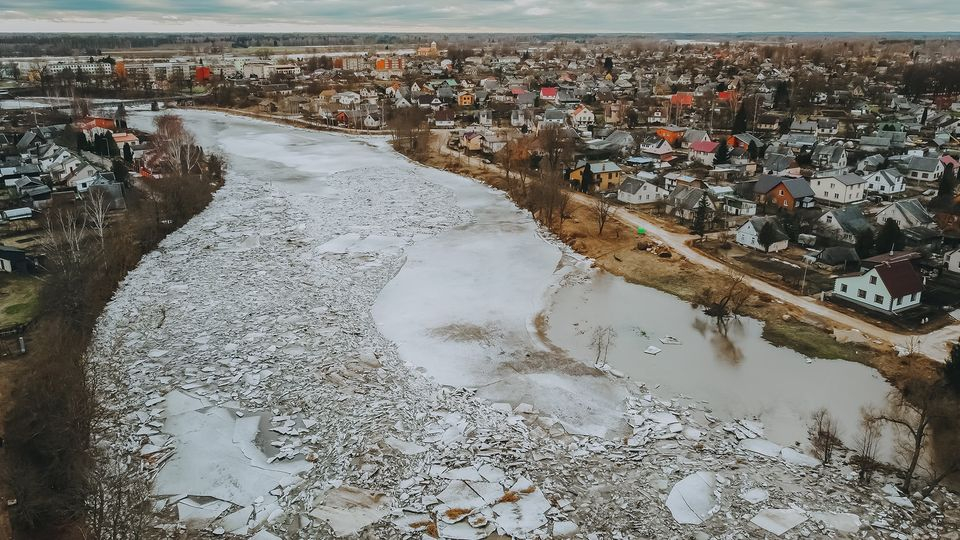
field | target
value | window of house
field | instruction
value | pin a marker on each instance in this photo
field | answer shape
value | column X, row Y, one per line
column 913, row 297
column 781, row 192
column 861, row 293
column 924, row 175
column 900, row 301
column 843, row 287
column 873, row 280
column 878, row 298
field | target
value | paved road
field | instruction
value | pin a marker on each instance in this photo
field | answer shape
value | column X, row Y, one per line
column 934, row 345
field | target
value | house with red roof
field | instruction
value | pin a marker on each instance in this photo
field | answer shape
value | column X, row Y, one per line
column 551, row 94
column 93, row 126
column 704, row 152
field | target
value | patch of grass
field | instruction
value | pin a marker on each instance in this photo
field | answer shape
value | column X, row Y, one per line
column 18, row 299
column 809, row 340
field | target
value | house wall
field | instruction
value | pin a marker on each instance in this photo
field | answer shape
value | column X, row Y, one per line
column 855, row 284
column 748, row 236
column 6, row 266
column 832, row 190
column 781, row 197
column 952, row 260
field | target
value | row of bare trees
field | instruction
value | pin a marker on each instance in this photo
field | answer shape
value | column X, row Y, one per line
column 64, row 484
column 911, row 416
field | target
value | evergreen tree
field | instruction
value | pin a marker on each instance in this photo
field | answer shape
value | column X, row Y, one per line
column 864, row 244
column 127, row 153
column 586, row 179
column 767, row 235
column 753, row 151
column 120, row 171
column 948, row 184
column 723, row 152
column 700, row 217
column 608, row 64
column 740, row 121
column 790, row 223
column 890, row 237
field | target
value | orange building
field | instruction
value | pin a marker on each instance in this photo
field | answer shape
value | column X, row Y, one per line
column 671, row 134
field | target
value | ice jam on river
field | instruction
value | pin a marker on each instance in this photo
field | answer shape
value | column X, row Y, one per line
column 344, row 342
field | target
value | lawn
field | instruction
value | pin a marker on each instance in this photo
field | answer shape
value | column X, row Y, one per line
column 18, row 299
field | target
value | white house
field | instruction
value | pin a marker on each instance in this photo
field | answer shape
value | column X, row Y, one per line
column 634, row 190
column 927, row 169
column 842, row 188
column 582, row 117
column 885, row 182
column 749, row 234
column 891, row 286
column 907, row 213
column 951, row 261
column 704, row 152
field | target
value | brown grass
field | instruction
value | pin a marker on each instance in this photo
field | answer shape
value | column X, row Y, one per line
column 457, row 513
column 509, row 496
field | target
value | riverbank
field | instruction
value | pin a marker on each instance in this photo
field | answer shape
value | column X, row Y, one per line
column 616, row 251
column 232, row 387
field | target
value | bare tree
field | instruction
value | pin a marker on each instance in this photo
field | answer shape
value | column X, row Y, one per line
column 175, row 149
column 602, row 210
column 603, row 337
column 563, row 206
column 824, row 435
column 63, row 239
column 96, row 207
column 868, row 444
column 726, row 299
column 913, row 419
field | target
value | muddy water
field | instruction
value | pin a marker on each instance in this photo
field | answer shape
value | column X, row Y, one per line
column 734, row 369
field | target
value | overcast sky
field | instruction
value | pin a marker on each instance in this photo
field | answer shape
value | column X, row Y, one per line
column 530, row 16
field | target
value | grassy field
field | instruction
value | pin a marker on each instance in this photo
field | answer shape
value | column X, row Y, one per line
column 18, row 299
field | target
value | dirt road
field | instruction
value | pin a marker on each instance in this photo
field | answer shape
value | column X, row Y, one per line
column 934, row 345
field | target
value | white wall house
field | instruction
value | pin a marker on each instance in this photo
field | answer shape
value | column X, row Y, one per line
column 704, row 152
column 842, row 188
column 907, row 213
column 925, row 169
column 952, row 261
column 637, row 191
column 582, row 117
column 885, row 182
column 749, row 234
column 887, row 287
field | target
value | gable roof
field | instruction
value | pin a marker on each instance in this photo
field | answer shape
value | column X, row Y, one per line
column 797, row 187
column 850, row 219
column 758, row 222
column 914, row 211
column 900, row 278
column 707, row 147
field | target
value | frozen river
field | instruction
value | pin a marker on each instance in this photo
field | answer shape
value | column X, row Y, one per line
column 462, row 307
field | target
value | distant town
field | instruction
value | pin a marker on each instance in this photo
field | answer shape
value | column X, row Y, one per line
column 479, row 286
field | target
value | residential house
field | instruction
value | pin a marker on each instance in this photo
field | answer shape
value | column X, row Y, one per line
column 444, row 119
column 886, row 283
column 736, row 206
column 839, row 188
column 549, row 94
column 844, row 224
column 553, row 117
column 694, row 136
column 743, row 140
column 672, row 134
column 885, row 182
column 907, row 213
column 13, row 260
column 838, row 259
column 704, row 152
column 829, row 156
column 925, row 169
column 749, row 234
column 787, row 193
column 684, row 201
column 781, row 165
column 635, row 190
column 655, row 146
column 828, row 127
column 607, row 175
column 871, row 163
column 582, row 117
column 951, row 261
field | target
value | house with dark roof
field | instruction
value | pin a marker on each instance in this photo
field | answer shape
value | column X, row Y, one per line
column 787, row 193
column 780, row 165
column 839, row 188
column 844, row 224
column 885, row 182
column 828, row 156
column 907, row 213
column 926, row 169
column 684, row 200
column 749, row 234
column 886, row 283
column 838, row 258
column 635, row 190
